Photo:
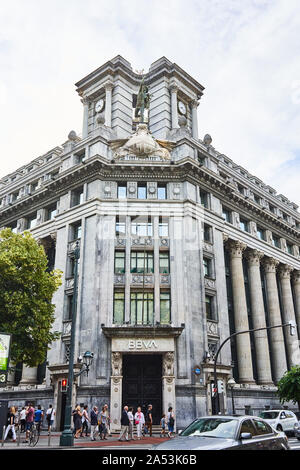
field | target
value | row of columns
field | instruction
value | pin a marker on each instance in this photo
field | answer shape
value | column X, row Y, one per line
column 283, row 350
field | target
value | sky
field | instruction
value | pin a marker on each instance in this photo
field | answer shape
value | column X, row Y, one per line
column 246, row 53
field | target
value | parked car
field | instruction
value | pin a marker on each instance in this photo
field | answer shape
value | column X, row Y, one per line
column 227, row 432
column 282, row 420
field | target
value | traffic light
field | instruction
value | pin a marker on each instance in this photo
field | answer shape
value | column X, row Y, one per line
column 213, row 390
column 220, row 386
column 64, row 385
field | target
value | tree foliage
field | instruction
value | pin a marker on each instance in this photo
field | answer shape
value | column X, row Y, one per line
column 289, row 386
column 26, row 291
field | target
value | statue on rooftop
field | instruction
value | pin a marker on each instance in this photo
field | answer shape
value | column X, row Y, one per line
column 142, row 102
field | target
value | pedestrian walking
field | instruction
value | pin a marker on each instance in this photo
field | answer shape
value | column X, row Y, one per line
column 124, row 424
column 94, row 423
column 11, row 423
column 38, row 418
column 139, row 419
column 131, row 420
column 77, row 415
column 149, row 419
column 107, row 419
column 50, row 413
column 23, row 418
column 102, row 424
column 163, row 425
column 29, row 420
column 85, row 421
column 171, row 421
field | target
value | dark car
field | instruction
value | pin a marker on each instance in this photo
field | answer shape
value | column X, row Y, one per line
column 227, row 432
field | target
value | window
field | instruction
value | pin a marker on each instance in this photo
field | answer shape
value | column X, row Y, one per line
column 120, row 227
column 34, row 186
column 210, row 307
column 241, row 189
column 261, row 233
column 163, row 227
column 77, row 196
column 204, row 198
column 272, row 208
column 275, row 241
column 244, row 224
column 119, row 307
column 284, row 216
column 31, row 221
column 248, row 427
column 289, row 248
column 141, row 308
column 120, row 262
column 257, row 199
column 207, row 233
column 142, row 262
column 75, row 231
column 51, row 211
column 72, row 266
column 207, row 266
column 161, row 191
column 79, row 156
column 262, row 427
column 226, row 213
column 69, row 307
column 142, row 191
column 141, row 227
column 122, row 190
column 165, row 307
column 164, row 265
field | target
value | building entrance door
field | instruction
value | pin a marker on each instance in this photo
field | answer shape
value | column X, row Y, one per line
column 142, row 383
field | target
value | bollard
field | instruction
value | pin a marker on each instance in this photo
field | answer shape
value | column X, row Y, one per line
column 3, row 434
column 19, row 435
column 49, row 437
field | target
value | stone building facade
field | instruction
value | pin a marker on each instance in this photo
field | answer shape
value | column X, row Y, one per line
column 179, row 248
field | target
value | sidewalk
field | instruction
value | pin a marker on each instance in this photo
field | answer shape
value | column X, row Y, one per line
column 83, row 442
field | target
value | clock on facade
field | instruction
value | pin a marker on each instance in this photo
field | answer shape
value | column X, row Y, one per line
column 99, row 105
column 181, row 108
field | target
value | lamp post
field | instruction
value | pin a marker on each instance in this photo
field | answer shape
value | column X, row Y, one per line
column 231, row 384
column 67, row 437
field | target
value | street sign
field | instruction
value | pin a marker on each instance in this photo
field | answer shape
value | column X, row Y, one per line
column 197, row 370
column 5, row 340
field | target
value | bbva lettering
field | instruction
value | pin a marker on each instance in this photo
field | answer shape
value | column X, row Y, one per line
column 141, row 344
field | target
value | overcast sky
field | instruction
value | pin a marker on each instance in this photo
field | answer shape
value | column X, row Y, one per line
column 246, row 53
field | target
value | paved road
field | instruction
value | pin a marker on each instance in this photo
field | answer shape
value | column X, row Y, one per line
column 294, row 443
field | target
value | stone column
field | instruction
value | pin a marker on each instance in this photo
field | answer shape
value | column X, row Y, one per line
column 108, row 101
column 244, row 357
column 296, row 284
column 29, row 375
column 278, row 358
column 258, row 317
column 116, row 392
column 174, row 111
column 168, row 382
column 194, row 106
column 85, row 103
column 288, row 313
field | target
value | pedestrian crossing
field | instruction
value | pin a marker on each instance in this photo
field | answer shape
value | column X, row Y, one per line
column 294, row 443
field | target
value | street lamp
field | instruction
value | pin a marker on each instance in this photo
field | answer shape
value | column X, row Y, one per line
column 67, row 437
column 231, row 383
column 87, row 361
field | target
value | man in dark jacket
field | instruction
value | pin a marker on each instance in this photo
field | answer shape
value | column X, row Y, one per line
column 149, row 419
column 124, row 424
column 94, row 423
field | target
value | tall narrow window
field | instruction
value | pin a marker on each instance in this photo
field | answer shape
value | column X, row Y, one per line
column 204, row 198
column 119, row 308
column 142, row 191
column 122, row 190
column 77, row 196
column 51, row 211
column 165, row 307
column 141, row 308
column 275, row 241
column 120, row 262
column 210, row 310
column 226, row 213
column 164, row 267
column 31, row 221
column 142, row 262
column 163, row 227
column 75, row 232
column 120, row 227
column 161, row 191
column 261, row 233
column 69, row 307
column 244, row 224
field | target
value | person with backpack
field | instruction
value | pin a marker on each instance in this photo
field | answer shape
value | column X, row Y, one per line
column 23, row 418
column 11, row 424
column 171, row 421
column 50, row 413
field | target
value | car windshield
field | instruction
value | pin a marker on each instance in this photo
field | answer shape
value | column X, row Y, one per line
column 212, row 427
column 269, row 414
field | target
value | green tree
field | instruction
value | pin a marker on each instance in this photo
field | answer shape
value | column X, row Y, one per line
column 289, row 386
column 26, row 290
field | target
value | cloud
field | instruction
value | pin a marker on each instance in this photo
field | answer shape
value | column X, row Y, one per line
column 244, row 53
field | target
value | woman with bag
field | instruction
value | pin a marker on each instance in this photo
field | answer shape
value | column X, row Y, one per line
column 11, row 424
column 102, row 424
column 139, row 420
column 171, row 421
column 77, row 415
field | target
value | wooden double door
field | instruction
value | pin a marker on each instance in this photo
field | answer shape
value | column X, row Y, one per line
column 142, row 383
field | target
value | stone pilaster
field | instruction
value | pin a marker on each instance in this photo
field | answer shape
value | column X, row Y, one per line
column 194, row 106
column 85, row 102
column 278, row 357
column 108, row 101
column 116, row 391
column 168, row 382
column 288, row 313
column 244, row 358
column 174, row 111
column 258, row 318
column 296, row 284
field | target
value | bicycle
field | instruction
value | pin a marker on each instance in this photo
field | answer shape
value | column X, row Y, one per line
column 33, row 436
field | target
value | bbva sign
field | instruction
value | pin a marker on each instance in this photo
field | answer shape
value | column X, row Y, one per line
column 142, row 344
